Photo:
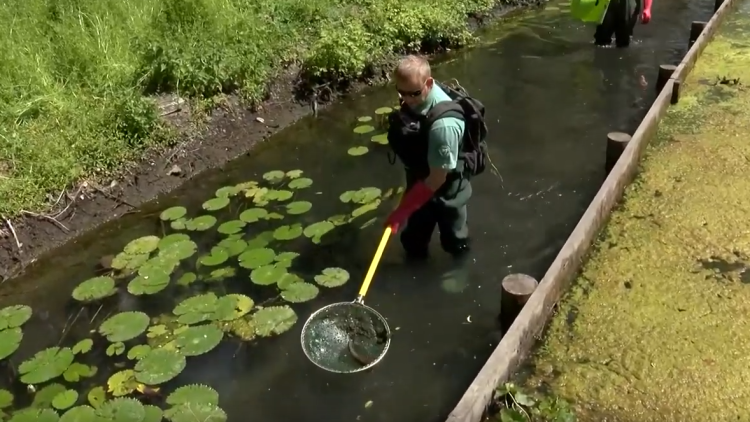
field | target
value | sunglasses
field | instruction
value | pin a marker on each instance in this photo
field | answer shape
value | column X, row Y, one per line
column 412, row 94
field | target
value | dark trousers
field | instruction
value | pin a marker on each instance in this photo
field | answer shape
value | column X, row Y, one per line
column 619, row 21
column 450, row 220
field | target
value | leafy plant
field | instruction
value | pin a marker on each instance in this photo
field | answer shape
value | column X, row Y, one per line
column 516, row 406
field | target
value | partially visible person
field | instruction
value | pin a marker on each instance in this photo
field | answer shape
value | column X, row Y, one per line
column 614, row 18
column 438, row 134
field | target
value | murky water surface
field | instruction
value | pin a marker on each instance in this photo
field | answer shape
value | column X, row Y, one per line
column 551, row 98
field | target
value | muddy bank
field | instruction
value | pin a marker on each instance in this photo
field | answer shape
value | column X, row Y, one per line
column 654, row 327
column 231, row 131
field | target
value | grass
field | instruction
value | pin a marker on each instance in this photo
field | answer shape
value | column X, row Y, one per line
column 652, row 328
column 76, row 75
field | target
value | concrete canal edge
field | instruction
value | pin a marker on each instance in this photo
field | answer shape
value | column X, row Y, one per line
column 520, row 337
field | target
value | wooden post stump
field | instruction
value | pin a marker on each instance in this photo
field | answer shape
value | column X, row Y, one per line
column 717, row 4
column 675, row 92
column 516, row 290
column 665, row 72
column 616, row 143
column 696, row 28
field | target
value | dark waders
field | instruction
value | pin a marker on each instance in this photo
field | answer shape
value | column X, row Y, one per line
column 447, row 210
column 619, row 20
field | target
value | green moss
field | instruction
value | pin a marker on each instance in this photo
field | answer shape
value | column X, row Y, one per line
column 655, row 329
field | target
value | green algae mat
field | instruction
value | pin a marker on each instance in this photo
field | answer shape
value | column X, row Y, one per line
column 656, row 326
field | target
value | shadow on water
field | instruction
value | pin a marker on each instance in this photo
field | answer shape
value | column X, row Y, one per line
column 551, row 98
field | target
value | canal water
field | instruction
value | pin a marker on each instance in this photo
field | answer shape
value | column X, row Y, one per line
column 551, row 98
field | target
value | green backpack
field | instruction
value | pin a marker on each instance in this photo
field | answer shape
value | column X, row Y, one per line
column 589, row 10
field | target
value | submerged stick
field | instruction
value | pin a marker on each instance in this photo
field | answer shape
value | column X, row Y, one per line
column 67, row 326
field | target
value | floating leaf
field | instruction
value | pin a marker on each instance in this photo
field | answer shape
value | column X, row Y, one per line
column 97, row 396
column 215, row 204
column 148, row 284
column 124, row 326
column 293, row 174
column 274, row 320
column 79, row 414
column 368, row 223
column 274, row 216
column 299, row 292
column 299, row 207
column 35, row 415
column 363, row 129
column 365, row 195
column 364, row 119
column 194, row 393
column 174, row 213
column 255, row 258
column 260, row 241
column 159, row 366
column 158, row 265
column 221, row 274
column 76, row 371
column 332, row 277
column 6, row 399
column 179, row 250
column 115, row 349
column 317, row 230
column 187, row 279
column 153, row 414
column 217, row 256
column 364, row 209
column 285, row 259
column 288, row 232
column 274, row 176
column 232, row 306
column 65, row 399
column 125, row 261
column 339, row 220
column 121, row 409
column 122, row 383
column 357, row 151
column 227, row 191
column 145, row 244
column 231, row 227
column 287, row 280
column 251, row 215
column 197, row 412
column 43, row 398
column 138, row 351
column 233, row 245
column 14, row 316
column 94, row 289
column 202, row 223
column 179, row 224
column 196, row 309
column 301, row 183
column 259, row 196
column 198, row 340
column 10, row 340
column 279, row 195
column 45, row 365
column 381, row 139
column 383, row 110
column 267, row 275
column 171, row 239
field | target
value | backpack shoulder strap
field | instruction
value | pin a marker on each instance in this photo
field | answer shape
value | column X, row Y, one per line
column 444, row 109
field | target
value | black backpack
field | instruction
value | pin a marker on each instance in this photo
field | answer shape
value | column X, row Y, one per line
column 471, row 111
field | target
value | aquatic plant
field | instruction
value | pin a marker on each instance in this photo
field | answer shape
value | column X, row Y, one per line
column 511, row 404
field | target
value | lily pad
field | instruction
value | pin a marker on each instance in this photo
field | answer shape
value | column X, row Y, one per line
column 196, row 309
column 301, row 183
column 293, row 174
column 145, row 244
column 6, row 399
column 138, row 351
column 201, row 223
column 299, row 207
column 65, row 400
column 14, row 316
column 148, row 284
column 10, row 339
column 121, row 409
column 364, row 129
column 383, row 110
column 232, row 306
column 288, row 232
column 317, row 230
column 201, row 412
column 339, row 220
column 217, row 256
column 287, row 280
column 227, row 191
column 215, row 204
column 159, row 366
column 251, row 215
column 121, row 383
column 233, row 245
column 79, row 414
column 174, row 213
column 279, row 195
column 365, row 195
column 300, row 292
column 285, row 258
column 220, row 274
column 260, row 241
column 158, row 265
column 76, row 371
column 357, row 151
column 255, row 258
column 179, row 251
column 83, row 346
column 267, row 275
column 116, row 349
column 381, row 139
column 153, row 414
column 332, row 277
column 43, row 398
column 124, row 326
column 171, row 239
column 46, row 365
column 231, row 227
column 274, row 176
column 35, row 415
column 274, row 320
column 364, row 209
column 125, row 261
column 364, row 119
column 193, row 393
column 179, row 224
column 197, row 340
column 187, row 279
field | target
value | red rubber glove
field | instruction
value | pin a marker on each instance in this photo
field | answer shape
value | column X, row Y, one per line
column 646, row 15
column 412, row 200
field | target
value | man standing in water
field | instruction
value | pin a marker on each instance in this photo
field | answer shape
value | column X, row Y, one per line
column 439, row 135
column 615, row 17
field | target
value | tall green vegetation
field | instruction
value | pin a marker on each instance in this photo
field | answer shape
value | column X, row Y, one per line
column 76, row 75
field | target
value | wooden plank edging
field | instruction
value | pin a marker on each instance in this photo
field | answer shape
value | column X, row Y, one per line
column 521, row 336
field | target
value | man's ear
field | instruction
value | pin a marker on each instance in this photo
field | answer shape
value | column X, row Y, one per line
column 429, row 82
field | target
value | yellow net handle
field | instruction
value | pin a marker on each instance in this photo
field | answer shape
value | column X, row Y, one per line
column 374, row 264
